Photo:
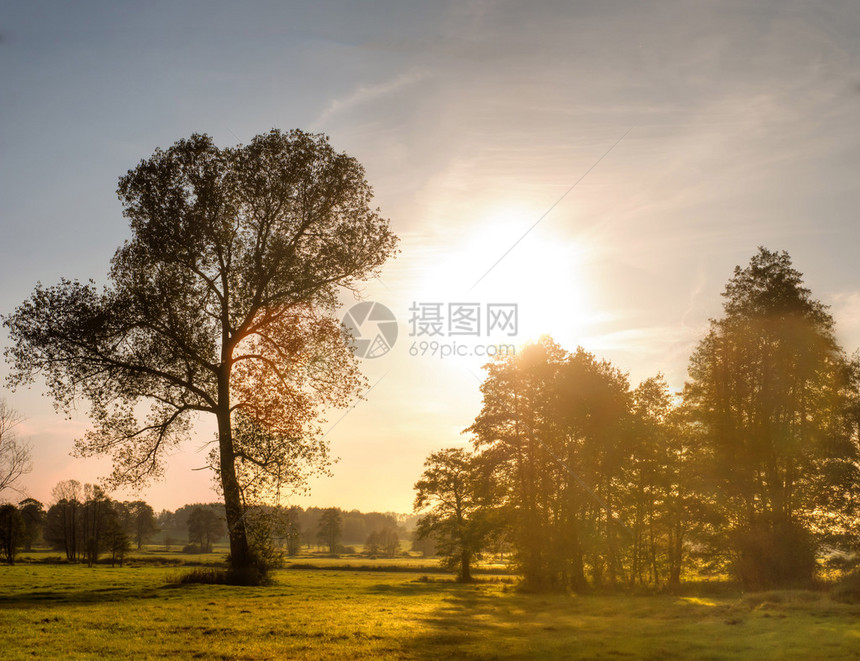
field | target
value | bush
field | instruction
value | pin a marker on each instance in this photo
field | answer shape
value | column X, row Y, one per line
column 777, row 555
column 191, row 548
column 211, row 576
column 847, row 589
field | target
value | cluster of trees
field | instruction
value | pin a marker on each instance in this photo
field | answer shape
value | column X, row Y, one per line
column 753, row 467
column 336, row 530
column 84, row 523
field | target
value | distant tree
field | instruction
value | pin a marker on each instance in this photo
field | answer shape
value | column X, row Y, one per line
column 33, row 520
column 371, row 544
column 222, row 302
column 115, row 537
column 204, row 528
column 767, row 386
column 97, row 517
column 14, row 455
column 385, row 541
column 293, row 531
column 62, row 525
column 11, row 532
column 142, row 522
column 389, row 542
column 456, row 515
column 328, row 532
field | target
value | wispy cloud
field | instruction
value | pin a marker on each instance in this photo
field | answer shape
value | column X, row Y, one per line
column 366, row 94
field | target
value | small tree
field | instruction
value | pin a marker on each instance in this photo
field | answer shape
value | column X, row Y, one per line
column 457, row 517
column 204, row 527
column 62, row 523
column 11, row 532
column 142, row 522
column 116, row 539
column 33, row 519
column 328, row 532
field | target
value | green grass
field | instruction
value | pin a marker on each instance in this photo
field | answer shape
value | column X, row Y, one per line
column 75, row 612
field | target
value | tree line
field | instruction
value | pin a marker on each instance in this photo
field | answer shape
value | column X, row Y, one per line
column 752, row 469
column 84, row 523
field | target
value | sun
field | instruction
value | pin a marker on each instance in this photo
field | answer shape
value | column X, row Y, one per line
column 504, row 258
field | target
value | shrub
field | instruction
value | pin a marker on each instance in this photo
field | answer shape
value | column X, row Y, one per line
column 847, row 589
column 777, row 555
column 211, row 576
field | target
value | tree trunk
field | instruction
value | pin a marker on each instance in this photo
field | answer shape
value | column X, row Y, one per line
column 240, row 553
column 465, row 567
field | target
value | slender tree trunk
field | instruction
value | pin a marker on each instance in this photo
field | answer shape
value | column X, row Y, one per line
column 577, row 564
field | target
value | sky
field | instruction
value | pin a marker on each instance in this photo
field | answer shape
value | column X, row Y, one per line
column 602, row 166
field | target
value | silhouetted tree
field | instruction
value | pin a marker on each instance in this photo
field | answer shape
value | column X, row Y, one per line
column 221, row 302
column 384, row 541
column 33, row 519
column 767, row 386
column 458, row 518
column 142, row 524
column 204, row 527
column 14, row 455
column 555, row 429
column 11, row 532
column 96, row 517
column 62, row 527
column 425, row 545
column 328, row 532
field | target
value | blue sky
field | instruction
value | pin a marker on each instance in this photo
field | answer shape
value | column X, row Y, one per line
column 472, row 119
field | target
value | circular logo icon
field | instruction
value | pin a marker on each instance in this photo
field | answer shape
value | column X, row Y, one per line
column 374, row 328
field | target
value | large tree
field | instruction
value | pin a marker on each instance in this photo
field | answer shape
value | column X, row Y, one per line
column 555, row 427
column 220, row 302
column 767, row 388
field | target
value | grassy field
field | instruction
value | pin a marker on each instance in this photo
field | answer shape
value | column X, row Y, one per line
column 75, row 612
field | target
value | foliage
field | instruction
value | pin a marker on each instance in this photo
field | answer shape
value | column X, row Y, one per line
column 330, row 526
column 221, row 302
column 555, row 432
column 768, row 389
column 204, row 527
column 33, row 520
column 11, row 532
column 384, row 541
column 458, row 515
column 14, row 455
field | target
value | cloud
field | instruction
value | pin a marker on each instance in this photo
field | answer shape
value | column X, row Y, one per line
column 368, row 93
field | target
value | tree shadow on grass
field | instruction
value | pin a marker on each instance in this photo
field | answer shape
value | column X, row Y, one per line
column 80, row 596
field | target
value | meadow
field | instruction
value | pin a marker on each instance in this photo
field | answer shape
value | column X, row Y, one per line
column 60, row 611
